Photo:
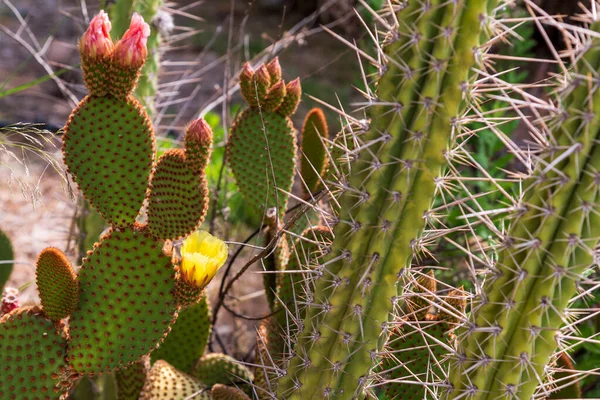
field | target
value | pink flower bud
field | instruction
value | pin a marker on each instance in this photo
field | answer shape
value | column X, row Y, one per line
column 10, row 300
column 96, row 42
column 131, row 50
column 200, row 132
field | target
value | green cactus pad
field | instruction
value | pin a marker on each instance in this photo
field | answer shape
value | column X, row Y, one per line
column 256, row 155
column 178, row 197
column 164, row 382
column 6, row 254
column 220, row 368
column 313, row 160
column 223, row 392
column 108, row 147
column 126, row 303
column 414, row 354
column 130, row 380
column 57, row 284
column 32, row 355
column 188, row 338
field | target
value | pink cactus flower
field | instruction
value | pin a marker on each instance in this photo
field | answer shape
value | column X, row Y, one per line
column 10, row 300
column 131, row 50
column 199, row 131
column 96, row 42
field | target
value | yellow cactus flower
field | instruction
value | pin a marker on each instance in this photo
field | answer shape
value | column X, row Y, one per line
column 202, row 255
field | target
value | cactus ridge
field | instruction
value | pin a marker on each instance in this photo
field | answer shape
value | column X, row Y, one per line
column 314, row 160
column 33, row 352
column 544, row 254
column 126, row 302
column 164, row 382
column 187, row 340
column 57, row 284
column 178, row 198
column 130, row 380
column 109, row 147
column 402, row 149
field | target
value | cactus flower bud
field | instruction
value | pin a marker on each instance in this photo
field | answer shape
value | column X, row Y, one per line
column 96, row 42
column 201, row 257
column 274, row 69
column 131, row 50
column 198, row 143
column 292, row 98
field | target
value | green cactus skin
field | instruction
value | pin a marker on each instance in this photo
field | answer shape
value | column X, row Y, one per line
column 313, row 160
column 33, row 351
column 544, row 255
column 6, row 254
column 109, row 149
column 262, row 147
column 126, row 302
column 57, row 284
column 188, row 338
column 388, row 191
column 220, row 368
column 130, row 380
column 178, row 199
column 223, row 392
column 164, row 382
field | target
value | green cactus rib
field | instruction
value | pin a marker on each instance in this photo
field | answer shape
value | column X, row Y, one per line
column 547, row 250
column 32, row 355
column 6, row 257
column 392, row 183
column 187, row 340
column 57, row 284
column 165, row 382
column 109, row 149
column 126, row 302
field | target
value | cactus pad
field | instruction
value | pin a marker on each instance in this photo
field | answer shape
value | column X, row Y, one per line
column 6, row 254
column 188, row 338
column 108, row 147
column 32, row 354
column 57, row 284
column 178, row 199
column 164, row 382
column 223, row 392
column 313, row 160
column 126, row 302
column 261, row 153
column 220, row 368
column 130, row 380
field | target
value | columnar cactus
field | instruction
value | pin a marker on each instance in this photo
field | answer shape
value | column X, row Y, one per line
column 395, row 160
column 515, row 326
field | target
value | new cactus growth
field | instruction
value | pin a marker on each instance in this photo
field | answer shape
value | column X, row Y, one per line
column 57, row 284
column 164, row 382
column 262, row 147
column 313, row 160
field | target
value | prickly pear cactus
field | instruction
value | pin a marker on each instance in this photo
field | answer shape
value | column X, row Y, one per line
column 262, row 147
column 164, row 382
column 220, row 368
column 313, row 158
column 130, row 380
column 33, row 351
column 188, row 337
column 57, row 284
column 223, row 392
